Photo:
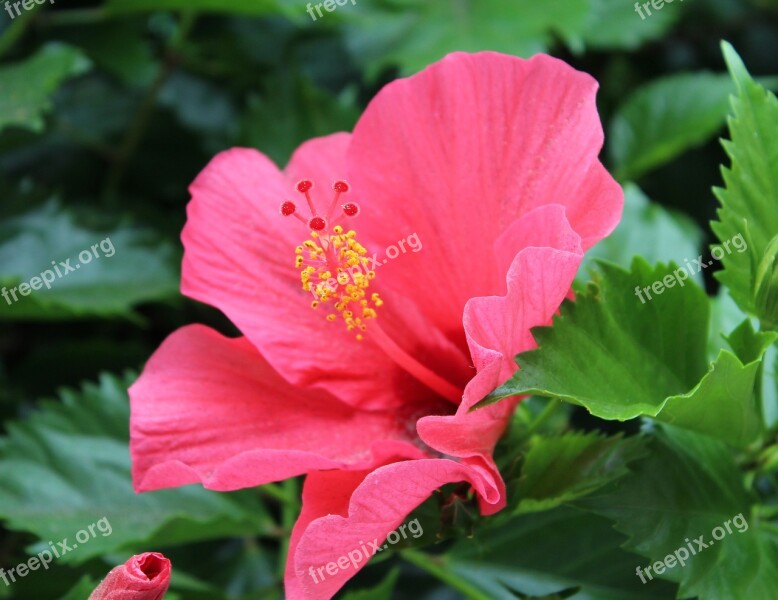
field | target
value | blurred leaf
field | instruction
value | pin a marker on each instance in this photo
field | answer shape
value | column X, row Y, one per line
column 686, row 487
column 612, row 354
column 748, row 202
column 561, row 551
column 68, row 466
column 615, row 24
column 559, row 469
column 141, row 267
column 414, row 34
column 28, row 85
column 295, row 111
column 664, row 118
column 649, row 230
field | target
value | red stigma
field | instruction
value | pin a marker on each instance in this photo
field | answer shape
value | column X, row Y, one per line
column 317, row 224
column 340, row 187
column 288, row 208
column 304, row 185
column 351, row 209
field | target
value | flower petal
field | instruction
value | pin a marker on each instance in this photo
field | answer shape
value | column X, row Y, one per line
column 499, row 327
column 349, row 522
column 458, row 152
column 239, row 257
column 210, row 409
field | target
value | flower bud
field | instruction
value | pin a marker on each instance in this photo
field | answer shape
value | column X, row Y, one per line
column 143, row 577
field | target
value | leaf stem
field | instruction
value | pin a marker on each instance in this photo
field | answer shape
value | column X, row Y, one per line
column 433, row 565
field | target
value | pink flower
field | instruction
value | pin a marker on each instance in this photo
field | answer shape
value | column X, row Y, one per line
column 492, row 162
column 143, row 577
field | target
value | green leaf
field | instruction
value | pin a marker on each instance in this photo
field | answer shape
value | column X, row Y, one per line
column 140, row 268
column 621, row 359
column 686, row 487
column 27, row 86
column 559, row 551
column 748, row 201
column 413, row 34
column 68, row 467
column 612, row 354
column 664, row 118
column 559, row 469
column 649, row 230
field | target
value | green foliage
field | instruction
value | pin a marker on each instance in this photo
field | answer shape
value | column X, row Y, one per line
column 133, row 266
column 415, row 34
column 687, row 486
column 27, row 86
column 562, row 551
column 67, row 466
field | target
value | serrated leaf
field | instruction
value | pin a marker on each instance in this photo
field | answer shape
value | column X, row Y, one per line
column 749, row 200
column 140, row 268
column 68, row 466
column 27, row 86
column 559, row 551
column 621, row 361
column 559, row 469
column 665, row 117
column 689, row 485
column 612, row 354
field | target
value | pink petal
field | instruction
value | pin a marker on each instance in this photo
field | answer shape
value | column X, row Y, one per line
column 143, row 577
column 498, row 328
column 239, row 257
column 377, row 507
column 210, row 409
column 458, row 152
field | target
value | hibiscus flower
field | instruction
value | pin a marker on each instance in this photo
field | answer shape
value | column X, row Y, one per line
column 143, row 577
column 363, row 378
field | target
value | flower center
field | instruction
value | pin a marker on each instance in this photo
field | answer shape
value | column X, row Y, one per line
column 334, row 269
column 332, row 263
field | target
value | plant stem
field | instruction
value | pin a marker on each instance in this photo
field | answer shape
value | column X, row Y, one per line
column 433, row 566
column 289, row 514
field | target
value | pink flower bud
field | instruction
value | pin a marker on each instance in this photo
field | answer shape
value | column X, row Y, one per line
column 143, row 577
